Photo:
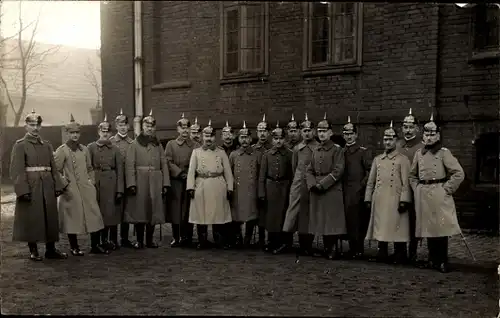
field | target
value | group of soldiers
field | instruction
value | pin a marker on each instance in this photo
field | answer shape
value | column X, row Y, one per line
column 298, row 180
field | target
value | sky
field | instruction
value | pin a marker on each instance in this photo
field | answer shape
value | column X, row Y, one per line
column 73, row 23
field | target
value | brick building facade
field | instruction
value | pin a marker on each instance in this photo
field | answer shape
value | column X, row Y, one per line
column 237, row 60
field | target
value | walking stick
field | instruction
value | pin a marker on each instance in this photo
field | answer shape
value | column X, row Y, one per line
column 467, row 246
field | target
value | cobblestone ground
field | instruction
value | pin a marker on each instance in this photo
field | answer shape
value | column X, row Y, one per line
column 187, row 282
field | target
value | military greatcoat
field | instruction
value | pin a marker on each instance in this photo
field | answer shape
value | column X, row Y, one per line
column 122, row 143
column 260, row 148
column 275, row 177
column 326, row 214
column 434, row 204
column 147, row 170
column 387, row 186
column 109, row 179
column 245, row 164
column 38, row 220
column 358, row 161
column 178, row 153
column 297, row 214
column 79, row 212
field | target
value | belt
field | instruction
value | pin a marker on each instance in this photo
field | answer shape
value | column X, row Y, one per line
column 278, row 179
column 148, row 168
column 434, row 181
column 105, row 168
column 208, row 175
column 38, row 169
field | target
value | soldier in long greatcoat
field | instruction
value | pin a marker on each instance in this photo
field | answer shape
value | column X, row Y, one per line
column 262, row 145
column 275, row 178
column 178, row 153
column 37, row 184
column 388, row 197
column 297, row 214
column 123, row 141
column 358, row 161
column 195, row 133
column 435, row 176
column 324, row 181
column 148, row 180
column 109, row 181
column 210, row 187
column 79, row 211
column 245, row 165
column 408, row 147
column 292, row 134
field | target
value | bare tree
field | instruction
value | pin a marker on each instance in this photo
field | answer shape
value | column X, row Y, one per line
column 22, row 64
column 93, row 76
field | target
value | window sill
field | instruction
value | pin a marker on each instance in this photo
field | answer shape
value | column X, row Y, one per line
column 171, row 85
column 331, row 71
column 244, row 79
column 485, row 55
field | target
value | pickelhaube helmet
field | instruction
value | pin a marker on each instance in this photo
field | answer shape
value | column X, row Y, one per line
column 306, row 123
column 104, row 126
column 33, row 116
column 149, row 119
column 409, row 119
column 263, row 124
column 431, row 126
column 72, row 125
column 121, row 118
column 183, row 122
column 195, row 127
column 390, row 132
column 292, row 124
column 244, row 131
column 227, row 128
column 349, row 128
column 209, row 129
column 324, row 123
column 278, row 131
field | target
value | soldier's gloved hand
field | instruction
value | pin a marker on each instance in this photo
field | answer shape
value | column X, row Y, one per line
column 403, row 207
column 368, row 206
column 118, row 197
column 25, row 197
column 132, row 190
column 190, row 194
column 58, row 193
column 230, row 195
column 183, row 175
column 164, row 191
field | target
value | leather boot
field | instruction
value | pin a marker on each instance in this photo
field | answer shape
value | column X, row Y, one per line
column 139, row 233
column 382, row 252
column 34, row 255
column 202, row 231
column 249, row 228
column 176, row 238
column 400, row 253
column 286, row 243
column 51, row 252
column 262, row 238
column 305, row 244
column 124, row 231
column 113, row 237
column 328, row 251
column 186, row 234
column 442, row 254
column 105, row 238
column 150, row 243
column 73, row 244
column 96, row 247
column 237, row 236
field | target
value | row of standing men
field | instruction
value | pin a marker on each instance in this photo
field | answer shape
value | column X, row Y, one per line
column 310, row 186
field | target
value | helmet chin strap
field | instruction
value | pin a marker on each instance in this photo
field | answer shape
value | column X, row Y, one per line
column 411, row 138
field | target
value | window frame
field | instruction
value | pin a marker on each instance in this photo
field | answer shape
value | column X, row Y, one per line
column 482, row 150
column 243, row 76
column 486, row 53
column 331, row 67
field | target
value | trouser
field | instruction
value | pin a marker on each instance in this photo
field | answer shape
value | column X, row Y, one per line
column 95, row 240
column 109, row 233
column 249, row 228
column 286, row 238
column 183, row 231
column 202, row 232
column 274, row 239
column 330, row 242
column 236, row 235
column 306, row 241
column 413, row 246
column 438, row 249
column 139, row 232
column 49, row 246
column 399, row 250
column 124, row 229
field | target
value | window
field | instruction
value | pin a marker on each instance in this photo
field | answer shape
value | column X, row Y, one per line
column 333, row 35
column 485, row 31
column 487, row 158
column 244, row 39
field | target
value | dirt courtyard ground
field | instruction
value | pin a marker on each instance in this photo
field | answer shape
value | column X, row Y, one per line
column 170, row 281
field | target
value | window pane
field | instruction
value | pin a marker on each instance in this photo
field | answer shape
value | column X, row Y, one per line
column 492, row 20
column 231, row 62
column 232, row 41
column 344, row 50
column 232, row 20
column 320, row 33
column 320, row 10
column 319, row 52
column 486, row 27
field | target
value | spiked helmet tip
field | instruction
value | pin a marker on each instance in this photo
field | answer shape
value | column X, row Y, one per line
column 348, row 119
column 324, row 117
column 306, row 119
column 244, row 124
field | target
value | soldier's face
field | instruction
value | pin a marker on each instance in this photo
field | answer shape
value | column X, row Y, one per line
column 307, row 134
column 350, row 137
column 431, row 137
column 33, row 127
column 74, row 135
column 262, row 134
column 183, row 131
column 245, row 141
column 409, row 130
column 104, row 135
column 389, row 142
column 208, row 139
column 122, row 128
column 196, row 136
column 324, row 134
column 294, row 134
column 148, row 129
column 278, row 141
column 227, row 137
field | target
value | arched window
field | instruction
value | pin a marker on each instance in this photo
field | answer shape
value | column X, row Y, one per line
column 487, row 158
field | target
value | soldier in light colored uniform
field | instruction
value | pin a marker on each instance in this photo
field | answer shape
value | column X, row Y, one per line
column 195, row 133
column 148, row 180
column 297, row 214
column 245, row 165
column 292, row 133
column 178, row 152
column 324, row 181
column 409, row 147
column 37, row 184
column 388, row 197
column 435, row 175
column 123, row 141
column 109, row 181
column 358, row 161
column 262, row 145
column 210, row 186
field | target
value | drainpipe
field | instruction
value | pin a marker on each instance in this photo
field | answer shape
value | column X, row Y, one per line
column 139, row 109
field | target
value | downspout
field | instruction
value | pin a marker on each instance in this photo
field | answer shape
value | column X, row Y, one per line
column 139, row 107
